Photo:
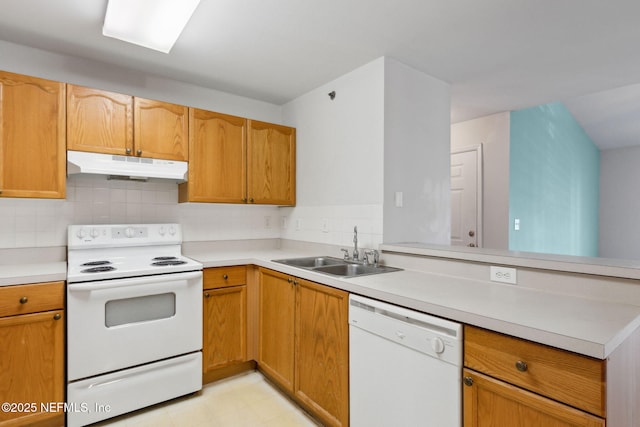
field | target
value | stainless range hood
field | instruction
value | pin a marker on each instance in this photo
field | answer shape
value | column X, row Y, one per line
column 125, row 167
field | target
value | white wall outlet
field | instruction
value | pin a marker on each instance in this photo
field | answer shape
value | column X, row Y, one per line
column 503, row 274
column 325, row 225
column 267, row 222
column 283, row 222
column 398, row 199
column 516, row 224
column 298, row 224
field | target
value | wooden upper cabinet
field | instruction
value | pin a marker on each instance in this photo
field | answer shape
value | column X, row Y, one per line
column 271, row 154
column 32, row 137
column 217, row 165
column 99, row 121
column 161, row 129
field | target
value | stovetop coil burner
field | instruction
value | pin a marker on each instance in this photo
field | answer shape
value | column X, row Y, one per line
column 99, row 269
column 94, row 263
column 168, row 262
column 164, row 258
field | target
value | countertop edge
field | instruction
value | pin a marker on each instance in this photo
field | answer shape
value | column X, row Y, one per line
column 599, row 350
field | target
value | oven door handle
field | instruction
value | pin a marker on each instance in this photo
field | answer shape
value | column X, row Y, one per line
column 119, row 283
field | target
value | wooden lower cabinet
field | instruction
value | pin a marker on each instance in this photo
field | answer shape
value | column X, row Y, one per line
column 224, row 344
column 509, row 381
column 277, row 327
column 321, row 375
column 32, row 355
column 304, row 343
column 491, row 402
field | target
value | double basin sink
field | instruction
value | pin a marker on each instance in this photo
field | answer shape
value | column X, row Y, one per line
column 336, row 266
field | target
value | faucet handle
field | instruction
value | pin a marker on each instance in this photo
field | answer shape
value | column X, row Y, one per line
column 346, row 253
column 375, row 254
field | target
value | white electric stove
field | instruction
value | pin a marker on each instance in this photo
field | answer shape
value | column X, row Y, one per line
column 134, row 319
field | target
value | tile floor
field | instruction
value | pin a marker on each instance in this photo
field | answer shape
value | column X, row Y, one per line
column 244, row 400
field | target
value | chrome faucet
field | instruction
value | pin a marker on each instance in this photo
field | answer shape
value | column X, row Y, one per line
column 356, row 254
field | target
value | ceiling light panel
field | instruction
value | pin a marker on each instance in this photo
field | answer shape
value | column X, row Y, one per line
column 154, row 24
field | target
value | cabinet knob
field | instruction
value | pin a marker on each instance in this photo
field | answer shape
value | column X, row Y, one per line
column 244, row 200
column 468, row 381
column 24, row 300
column 225, row 277
column 128, row 151
column 57, row 316
column 295, row 282
column 251, row 200
column 139, row 152
column 521, row 366
column 290, row 280
column 206, row 295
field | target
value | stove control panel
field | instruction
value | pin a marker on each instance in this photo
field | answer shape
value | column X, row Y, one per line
column 92, row 236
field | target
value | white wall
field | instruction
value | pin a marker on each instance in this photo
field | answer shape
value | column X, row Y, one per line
column 416, row 156
column 387, row 130
column 619, row 203
column 339, row 159
column 43, row 223
column 493, row 133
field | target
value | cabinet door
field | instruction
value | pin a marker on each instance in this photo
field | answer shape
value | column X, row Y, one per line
column 322, row 351
column 31, row 363
column 217, row 162
column 225, row 327
column 99, row 121
column 490, row 402
column 271, row 151
column 32, row 137
column 276, row 343
column 160, row 129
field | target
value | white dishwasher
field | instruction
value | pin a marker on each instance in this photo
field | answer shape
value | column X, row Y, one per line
column 405, row 367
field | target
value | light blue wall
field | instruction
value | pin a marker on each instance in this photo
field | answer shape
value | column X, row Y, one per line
column 554, row 183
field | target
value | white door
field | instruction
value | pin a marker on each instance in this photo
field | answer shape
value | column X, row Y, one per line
column 466, row 196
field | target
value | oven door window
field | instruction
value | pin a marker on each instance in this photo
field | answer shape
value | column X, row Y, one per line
column 139, row 309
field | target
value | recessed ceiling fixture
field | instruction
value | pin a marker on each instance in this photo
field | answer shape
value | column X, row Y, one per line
column 154, row 24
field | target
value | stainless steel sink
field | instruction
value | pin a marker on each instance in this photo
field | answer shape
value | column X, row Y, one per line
column 335, row 266
column 311, row 262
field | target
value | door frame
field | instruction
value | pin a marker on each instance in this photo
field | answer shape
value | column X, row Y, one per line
column 479, row 196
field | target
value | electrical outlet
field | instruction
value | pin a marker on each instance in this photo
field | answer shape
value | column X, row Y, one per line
column 503, row 275
column 325, row 225
column 267, row 222
column 298, row 224
column 283, row 222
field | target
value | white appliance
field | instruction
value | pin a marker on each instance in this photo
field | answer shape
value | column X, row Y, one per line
column 127, row 167
column 405, row 367
column 134, row 319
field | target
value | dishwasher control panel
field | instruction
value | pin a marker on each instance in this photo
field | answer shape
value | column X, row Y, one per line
column 422, row 332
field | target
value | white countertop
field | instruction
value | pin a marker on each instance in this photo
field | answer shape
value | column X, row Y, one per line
column 20, row 274
column 585, row 326
column 623, row 268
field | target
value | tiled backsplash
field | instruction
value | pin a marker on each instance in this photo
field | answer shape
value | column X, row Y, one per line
column 28, row 223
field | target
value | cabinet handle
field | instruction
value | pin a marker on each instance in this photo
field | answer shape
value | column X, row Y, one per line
column 290, row 280
column 206, row 295
column 128, row 151
column 57, row 316
column 24, row 300
column 225, row 277
column 244, row 200
column 295, row 282
column 251, row 200
column 468, row 381
column 139, row 152
column 521, row 366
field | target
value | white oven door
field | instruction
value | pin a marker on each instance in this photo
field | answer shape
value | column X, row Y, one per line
column 120, row 323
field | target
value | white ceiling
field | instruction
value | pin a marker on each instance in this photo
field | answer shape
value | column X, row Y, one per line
column 498, row 55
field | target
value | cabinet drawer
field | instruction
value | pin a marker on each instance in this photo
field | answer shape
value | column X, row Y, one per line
column 222, row 277
column 23, row 299
column 568, row 377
